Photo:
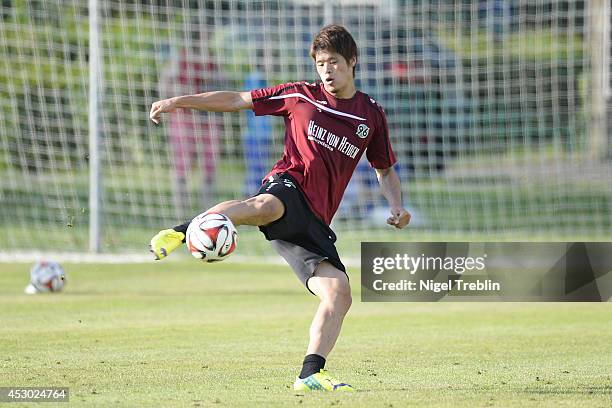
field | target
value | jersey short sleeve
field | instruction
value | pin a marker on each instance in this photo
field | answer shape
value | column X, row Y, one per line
column 275, row 100
column 379, row 152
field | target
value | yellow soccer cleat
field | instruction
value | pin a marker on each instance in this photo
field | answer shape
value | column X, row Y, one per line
column 320, row 381
column 164, row 242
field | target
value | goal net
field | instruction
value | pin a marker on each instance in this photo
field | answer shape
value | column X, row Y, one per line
column 491, row 105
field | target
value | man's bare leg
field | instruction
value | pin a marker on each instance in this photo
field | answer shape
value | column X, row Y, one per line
column 332, row 287
column 262, row 209
column 259, row 210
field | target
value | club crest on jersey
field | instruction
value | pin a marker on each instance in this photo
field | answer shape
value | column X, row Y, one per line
column 362, row 131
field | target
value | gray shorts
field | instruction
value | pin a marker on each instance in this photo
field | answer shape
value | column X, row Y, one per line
column 299, row 236
column 303, row 262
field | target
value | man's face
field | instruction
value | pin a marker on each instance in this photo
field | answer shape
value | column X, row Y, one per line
column 335, row 72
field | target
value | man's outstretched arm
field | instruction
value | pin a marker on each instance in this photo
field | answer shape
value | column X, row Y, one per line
column 217, row 101
column 391, row 189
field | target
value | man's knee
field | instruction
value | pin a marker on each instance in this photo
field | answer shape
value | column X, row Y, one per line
column 331, row 285
column 269, row 208
column 343, row 302
column 339, row 299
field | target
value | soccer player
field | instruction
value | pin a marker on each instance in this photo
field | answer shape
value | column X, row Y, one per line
column 328, row 126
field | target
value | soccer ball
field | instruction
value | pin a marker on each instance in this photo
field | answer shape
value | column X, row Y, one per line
column 46, row 276
column 211, row 237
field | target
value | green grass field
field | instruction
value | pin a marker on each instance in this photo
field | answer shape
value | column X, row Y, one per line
column 191, row 335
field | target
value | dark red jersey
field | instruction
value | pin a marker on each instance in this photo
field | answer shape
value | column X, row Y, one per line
column 324, row 139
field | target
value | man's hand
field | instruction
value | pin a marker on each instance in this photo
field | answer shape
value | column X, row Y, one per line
column 391, row 189
column 159, row 107
column 399, row 218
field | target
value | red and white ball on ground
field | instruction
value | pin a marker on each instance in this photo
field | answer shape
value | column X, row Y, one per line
column 46, row 276
column 211, row 237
